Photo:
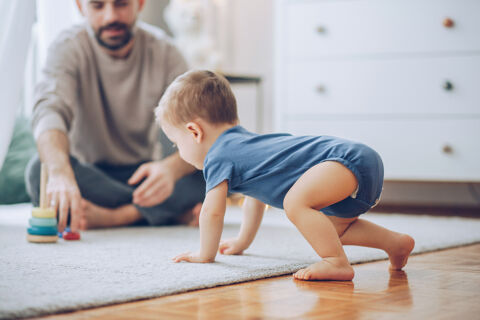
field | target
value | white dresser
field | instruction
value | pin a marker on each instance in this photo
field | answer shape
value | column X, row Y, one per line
column 402, row 76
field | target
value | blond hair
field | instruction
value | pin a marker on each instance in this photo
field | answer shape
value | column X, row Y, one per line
column 198, row 94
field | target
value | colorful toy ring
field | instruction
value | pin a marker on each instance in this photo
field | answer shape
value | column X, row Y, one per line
column 41, row 239
column 44, row 213
column 42, row 231
column 43, row 222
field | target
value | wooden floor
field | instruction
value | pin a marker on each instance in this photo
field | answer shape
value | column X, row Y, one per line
column 439, row 285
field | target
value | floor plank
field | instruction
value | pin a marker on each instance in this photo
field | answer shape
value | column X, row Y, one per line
column 439, row 285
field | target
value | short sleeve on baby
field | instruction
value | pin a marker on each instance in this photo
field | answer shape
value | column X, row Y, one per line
column 215, row 172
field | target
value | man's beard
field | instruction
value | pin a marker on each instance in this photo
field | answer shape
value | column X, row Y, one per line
column 116, row 42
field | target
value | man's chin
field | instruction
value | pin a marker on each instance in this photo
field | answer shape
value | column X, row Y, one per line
column 114, row 43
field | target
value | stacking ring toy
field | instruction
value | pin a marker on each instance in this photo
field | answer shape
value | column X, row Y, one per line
column 43, row 231
column 43, row 222
column 41, row 239
column 44, row 213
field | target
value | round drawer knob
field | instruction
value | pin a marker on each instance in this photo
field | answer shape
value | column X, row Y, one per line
column 447, row 149
column 448, row 86
column 448, row 23
column 321, row 29
column 320, row 88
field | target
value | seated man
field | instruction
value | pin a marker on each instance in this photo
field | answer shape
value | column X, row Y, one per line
column 94, row 126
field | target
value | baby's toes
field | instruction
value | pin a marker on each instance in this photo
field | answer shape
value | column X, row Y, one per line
column 307, row 275
column 299, row 274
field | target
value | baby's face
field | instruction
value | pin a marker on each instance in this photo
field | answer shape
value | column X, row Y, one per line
column 184, row 141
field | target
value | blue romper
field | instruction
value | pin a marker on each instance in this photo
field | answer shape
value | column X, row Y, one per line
column 266, row 166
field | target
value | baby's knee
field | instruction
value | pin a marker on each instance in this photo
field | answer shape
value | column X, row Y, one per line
column 291, row 206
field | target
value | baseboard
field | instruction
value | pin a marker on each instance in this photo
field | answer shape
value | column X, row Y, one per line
column 438, row 195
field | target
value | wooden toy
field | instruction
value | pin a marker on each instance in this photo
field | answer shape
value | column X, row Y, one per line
column 43, row 213
column 41, row 239
column 42, row 222
column 43, row 231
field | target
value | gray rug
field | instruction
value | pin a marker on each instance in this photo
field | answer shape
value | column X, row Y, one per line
column 113, row 266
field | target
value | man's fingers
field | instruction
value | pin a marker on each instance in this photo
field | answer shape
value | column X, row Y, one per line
column 76, row 213
column 139, row 193
column 153, row 198
column 52, row 201
column 63, row 213
column 138, row 175
column 156, row 193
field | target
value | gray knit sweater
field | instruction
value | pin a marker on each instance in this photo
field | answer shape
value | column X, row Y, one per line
column 105, row 105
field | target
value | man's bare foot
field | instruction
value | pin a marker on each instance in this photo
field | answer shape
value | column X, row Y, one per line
column 100, row 217
column 191, row 217
column 327, row 269
column 399, row 254
column 95, row 216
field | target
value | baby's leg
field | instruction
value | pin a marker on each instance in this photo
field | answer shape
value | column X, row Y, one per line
column 367, row 234
column 322, row 185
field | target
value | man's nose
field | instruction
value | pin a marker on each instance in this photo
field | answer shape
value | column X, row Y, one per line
column 109, row 14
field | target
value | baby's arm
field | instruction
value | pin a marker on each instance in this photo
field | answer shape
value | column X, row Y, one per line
column 211, row 226
column 252, row 217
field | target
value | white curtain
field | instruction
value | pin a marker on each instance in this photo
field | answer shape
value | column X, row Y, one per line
column 23, row 50
column 53, row 16
column 16, row 21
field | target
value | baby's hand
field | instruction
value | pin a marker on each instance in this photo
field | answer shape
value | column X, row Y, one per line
column 190, row 257
column 231, row 246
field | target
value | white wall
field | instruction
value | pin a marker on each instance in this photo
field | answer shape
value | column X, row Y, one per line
column 252, row 47
column 248, row 43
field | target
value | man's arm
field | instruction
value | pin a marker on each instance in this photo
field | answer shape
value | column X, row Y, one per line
column 253, row 210
column 54, row 108
column 62, row 189
column 211, row 226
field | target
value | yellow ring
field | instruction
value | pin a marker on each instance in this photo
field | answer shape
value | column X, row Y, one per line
column 44, row 213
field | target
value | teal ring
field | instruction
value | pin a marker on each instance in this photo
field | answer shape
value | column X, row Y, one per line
column 43, row 222
column 42, row 231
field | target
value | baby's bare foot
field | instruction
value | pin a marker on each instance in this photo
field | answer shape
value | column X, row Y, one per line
column 399, row 254
column 327, row 269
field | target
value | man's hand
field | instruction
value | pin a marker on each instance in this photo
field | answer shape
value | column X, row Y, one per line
column 63, row 195
column 190, row 257
column 158, row 184
column 62, row 189
column 231, row 246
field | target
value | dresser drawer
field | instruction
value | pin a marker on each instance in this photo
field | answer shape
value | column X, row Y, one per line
column 436, row 150
column 443, row 86
column 359, row 27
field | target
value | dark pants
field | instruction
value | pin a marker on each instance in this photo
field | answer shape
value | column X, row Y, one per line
column 106, row 186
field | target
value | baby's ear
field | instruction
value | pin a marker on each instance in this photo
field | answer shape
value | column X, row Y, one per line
column 196, row 130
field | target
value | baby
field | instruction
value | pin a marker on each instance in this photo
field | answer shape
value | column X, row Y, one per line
column 323, row 183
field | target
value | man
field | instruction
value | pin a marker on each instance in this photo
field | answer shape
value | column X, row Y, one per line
column 94, row 124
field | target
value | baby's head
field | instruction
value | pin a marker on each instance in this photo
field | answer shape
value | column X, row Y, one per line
column 198, row 94
column 196, row 103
